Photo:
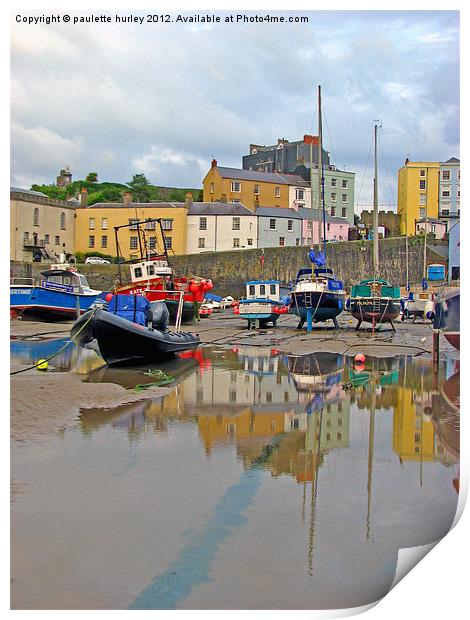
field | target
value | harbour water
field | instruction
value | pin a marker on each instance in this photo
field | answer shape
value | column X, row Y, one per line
column 260, row 480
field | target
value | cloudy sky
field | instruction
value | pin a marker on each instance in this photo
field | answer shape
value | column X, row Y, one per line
column 164, row 99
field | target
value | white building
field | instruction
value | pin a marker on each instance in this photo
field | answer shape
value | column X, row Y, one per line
column 219, row 226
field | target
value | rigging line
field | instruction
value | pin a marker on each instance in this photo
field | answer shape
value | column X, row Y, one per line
column 382, row 152
column 363, row 176
column 329, row 136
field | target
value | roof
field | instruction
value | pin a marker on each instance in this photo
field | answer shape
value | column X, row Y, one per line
column 30, row 192
column 218, row 208
column 452, row 160
column 267, row 177
column 431, row 220
column 137, row 205
column 278, row 212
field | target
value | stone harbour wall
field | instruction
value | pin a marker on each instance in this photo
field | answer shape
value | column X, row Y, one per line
column 351, row 261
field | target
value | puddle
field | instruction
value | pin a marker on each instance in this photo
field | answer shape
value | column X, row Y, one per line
column 262, row 481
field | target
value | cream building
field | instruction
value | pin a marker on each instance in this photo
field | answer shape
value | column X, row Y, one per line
column 41, row 228
column 218, row 226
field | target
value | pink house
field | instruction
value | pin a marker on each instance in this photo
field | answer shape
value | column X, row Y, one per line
column 436, row 227
column 337, row 228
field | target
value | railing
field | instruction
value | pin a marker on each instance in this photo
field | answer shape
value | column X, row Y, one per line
column 33, row 243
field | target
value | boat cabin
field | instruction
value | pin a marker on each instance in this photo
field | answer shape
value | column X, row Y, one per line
column 149, row 270
column 375, row 288
column 66, row 280
column 263, row 290
column 322, row 276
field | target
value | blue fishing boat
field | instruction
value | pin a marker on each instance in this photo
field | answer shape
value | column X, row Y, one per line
column 60, row 293
column 262, row 304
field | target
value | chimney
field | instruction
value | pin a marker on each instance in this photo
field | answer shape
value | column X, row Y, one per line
column 214, row 163
column 83, row 197
column 126, row 199
column 188, row 200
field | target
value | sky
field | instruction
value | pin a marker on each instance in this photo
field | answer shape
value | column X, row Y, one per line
column 164, row 99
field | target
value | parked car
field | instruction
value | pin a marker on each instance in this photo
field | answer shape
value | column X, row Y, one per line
column 227, row 302
column 97, row 260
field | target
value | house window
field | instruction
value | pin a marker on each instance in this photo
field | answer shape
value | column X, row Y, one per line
column 333, row 182
column 46, row 238
column 201, row 243
column 104, row 223
column 446, row 175
column 422, row 199
column 256, row 190
column 445, row 212
column 290, row 224
column 235, row 202
column 91, row 223
column 297, row 241
column 62, row 220
column 433, row 228
column 309, row 225
column 212, row 188
column 236, row 186
column 26, row 235
column 282, row 241
column 150, row 225
column 333, row 211
column 299, row 194
column 333, row 196
column 133, row 223
column 152, row 243
column 167, row 224
column 203, row 223
column 272, row 224
column 133, row 243
column 57, row 240
column 91, row 241
column 344, row 212
column 236, row 243
column 277, row 192
column 301, row 205
column 422, row 184
column 446, row 194
column 249, row 242
column 422, row 173
column 104, row 241
column 344, row 184
column 422, row 212
column 235, row 223
column 344, row 198
column 168, row 242
column 36, row 217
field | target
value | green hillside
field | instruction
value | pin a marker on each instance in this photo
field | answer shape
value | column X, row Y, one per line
column 140, row 189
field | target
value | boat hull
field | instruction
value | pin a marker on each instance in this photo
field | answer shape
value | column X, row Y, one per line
column 374, row 310
column 447, row 316
column 259, row 310
column 48, row 304
column 325, row 305
column 121, row 342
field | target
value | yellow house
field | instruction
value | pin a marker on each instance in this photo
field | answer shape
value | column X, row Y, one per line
column 418, row 193
column 95, row 224
column 250, row 188
column 413, row 433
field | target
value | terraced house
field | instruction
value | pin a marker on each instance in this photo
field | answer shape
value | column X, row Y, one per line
column 95, row 226
column 250, row 188
column 41, row 228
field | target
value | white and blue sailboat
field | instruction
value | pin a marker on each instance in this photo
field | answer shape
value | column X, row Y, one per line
column 317, row 295
column 60, row 293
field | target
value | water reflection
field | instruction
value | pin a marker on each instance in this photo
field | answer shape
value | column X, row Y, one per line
column 253, row 449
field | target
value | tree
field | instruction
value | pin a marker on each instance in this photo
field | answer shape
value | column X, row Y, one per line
column 357, row 219
column 140, row 188
column 92, row 177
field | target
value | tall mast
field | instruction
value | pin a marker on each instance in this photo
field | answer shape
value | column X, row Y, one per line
column 320, row 171
column 376, row 206
column 425, row 225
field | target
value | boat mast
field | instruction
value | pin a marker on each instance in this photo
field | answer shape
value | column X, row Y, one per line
column 425, row 227
column 320, row 172
column 376, row 207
